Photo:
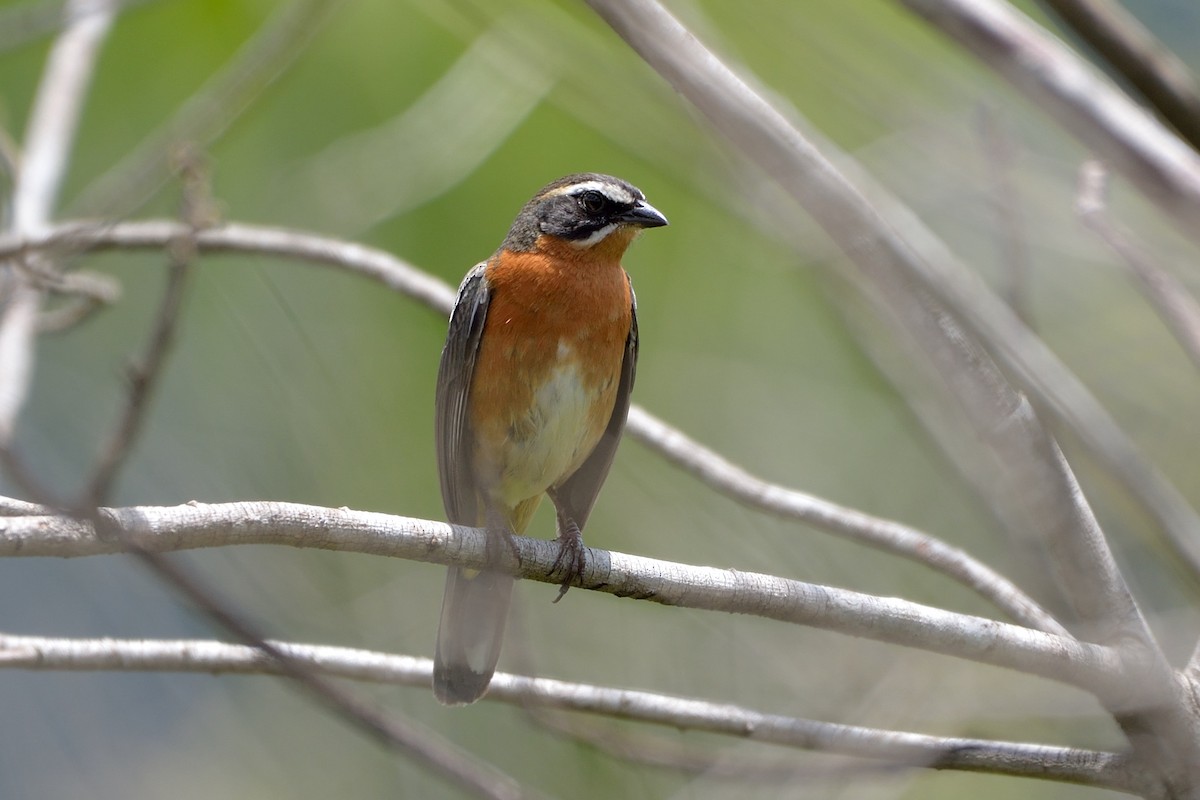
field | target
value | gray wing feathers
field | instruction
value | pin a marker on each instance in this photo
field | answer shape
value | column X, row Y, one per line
column 475, row 604
column 453, row 389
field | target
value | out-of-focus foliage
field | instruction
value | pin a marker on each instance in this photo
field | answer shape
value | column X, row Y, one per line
column 421, row 127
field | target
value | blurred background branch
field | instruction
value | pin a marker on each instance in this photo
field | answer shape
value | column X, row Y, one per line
column 1137, row 55
column 43, row 163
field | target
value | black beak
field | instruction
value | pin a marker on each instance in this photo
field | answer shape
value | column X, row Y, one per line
column 643, row 215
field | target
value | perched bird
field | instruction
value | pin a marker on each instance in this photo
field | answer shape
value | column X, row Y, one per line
column 532, row 395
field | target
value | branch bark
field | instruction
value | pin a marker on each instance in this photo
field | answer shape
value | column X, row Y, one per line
column 1096, row 669
column 652, row 432
column 1072, row 765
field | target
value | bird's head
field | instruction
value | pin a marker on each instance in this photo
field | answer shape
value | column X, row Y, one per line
column 588, row 213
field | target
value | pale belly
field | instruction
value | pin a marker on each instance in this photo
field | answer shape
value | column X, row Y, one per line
column 556, row 437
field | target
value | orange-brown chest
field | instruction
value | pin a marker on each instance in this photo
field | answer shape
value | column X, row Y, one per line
column 549, row 364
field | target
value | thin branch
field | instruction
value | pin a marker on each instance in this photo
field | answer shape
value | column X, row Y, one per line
column 1134, row 52
column 392, row 731
column 652, row 432
column 1083, row 101
column 652, row 750
column 86, row 292
column 369, row 262
column 1175, row 305
column 48, row 141
column 1093, row 768
column 143, row 376
column 893, row 537
column 195, row 525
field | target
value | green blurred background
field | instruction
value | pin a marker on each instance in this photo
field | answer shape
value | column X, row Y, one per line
column 421, row 127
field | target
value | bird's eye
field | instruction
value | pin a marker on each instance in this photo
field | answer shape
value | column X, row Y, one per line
column 592, row 202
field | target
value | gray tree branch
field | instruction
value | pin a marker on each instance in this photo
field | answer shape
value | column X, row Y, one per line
column 652, row 432
column 1094, row 668
column 1088, row 767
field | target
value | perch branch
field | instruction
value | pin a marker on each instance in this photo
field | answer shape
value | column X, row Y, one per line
column 1094, row 668
column 704, row 464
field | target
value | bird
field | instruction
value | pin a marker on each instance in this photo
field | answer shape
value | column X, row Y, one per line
column 532, row 394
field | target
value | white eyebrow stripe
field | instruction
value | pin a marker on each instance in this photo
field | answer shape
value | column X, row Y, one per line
column 614, row 193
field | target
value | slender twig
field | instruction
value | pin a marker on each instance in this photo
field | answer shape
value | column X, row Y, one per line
column 652, row 432
column 1093, row 768
column 1175, row 305
column 639, row 747
column 392, row 731
column 232, row 237
column 1083, row 101
column 1136, row 54
column 142, row 377
column 894, row 537
column 196, row 525
column 48, row 141
column 85, row 292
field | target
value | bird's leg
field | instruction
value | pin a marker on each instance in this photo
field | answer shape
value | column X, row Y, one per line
column 498, row 531
column 572, row 555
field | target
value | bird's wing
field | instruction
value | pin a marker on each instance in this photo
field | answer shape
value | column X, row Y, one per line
column 577, row 494
column 451, row 426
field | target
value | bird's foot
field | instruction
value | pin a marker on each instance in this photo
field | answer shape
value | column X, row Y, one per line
column 572, row 556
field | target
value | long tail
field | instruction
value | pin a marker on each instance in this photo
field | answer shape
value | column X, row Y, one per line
column 474, row 610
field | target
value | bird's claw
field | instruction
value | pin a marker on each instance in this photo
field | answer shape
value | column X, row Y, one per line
column 572, row 558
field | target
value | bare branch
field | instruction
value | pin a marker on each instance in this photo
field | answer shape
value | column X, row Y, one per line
column 143, row 376
column 48, row 141
column 1168, row 296
column 652, row 432
column 393, row 731
column 1083, row 101
column 894, row 537
column 1087, row 767
column 86, row 292
column 1133, row 51
column 639, row 747
column 368, row 262
column 196, row 525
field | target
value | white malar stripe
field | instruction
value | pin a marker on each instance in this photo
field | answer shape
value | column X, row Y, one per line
column 595, row 237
